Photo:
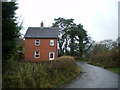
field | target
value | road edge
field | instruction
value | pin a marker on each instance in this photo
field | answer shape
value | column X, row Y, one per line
column 73, row 80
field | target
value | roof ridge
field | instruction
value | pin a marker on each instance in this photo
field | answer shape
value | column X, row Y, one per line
column 38, row 27
column 41, row 32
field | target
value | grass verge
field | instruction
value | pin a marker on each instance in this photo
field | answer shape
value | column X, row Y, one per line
column 113, row 69
column 116, row 70
column 41, row 75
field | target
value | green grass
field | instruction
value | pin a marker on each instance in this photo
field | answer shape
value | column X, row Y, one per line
column 41, row 75
column 116, row 70
column 113, row 69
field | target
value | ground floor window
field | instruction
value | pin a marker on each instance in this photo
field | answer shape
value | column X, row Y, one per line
column 36, row 54
column 51, row 55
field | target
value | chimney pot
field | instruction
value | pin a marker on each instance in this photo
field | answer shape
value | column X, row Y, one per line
column 42, row 24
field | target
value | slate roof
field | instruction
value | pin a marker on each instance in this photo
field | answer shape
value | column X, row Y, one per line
column 41, row 32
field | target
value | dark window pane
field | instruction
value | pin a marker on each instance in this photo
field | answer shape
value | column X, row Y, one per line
column 37, row 43
column 37, row 40
column 36, row 55
column 37, row 52
column 51, row 55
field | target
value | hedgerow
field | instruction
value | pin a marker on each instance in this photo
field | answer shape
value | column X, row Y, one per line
column 49, row 74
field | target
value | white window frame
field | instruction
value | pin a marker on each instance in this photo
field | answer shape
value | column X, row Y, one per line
column 51, row 42
column 53, row 55
column 36, row 54
column 37, row 41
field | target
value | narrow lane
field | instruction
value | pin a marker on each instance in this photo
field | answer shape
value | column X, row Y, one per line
column 94, row 77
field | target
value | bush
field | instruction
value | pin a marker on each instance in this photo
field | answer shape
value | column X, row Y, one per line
column 65, row 62
column 107, row 59
column 42, row 75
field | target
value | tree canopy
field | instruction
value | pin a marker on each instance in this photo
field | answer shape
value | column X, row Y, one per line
column 10, row 30
column 72, row 37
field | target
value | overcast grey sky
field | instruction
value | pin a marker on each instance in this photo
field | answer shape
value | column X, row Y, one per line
column 99, row 17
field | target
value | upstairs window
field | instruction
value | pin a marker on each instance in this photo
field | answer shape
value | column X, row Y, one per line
column 51, row 42
column 37, row 42
column 36, row 54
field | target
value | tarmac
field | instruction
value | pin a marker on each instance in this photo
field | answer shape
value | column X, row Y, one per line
column 94, row 77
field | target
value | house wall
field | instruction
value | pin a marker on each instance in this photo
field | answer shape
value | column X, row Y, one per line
column 44, row 49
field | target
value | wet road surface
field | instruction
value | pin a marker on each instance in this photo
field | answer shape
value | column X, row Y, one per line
column 94, row 77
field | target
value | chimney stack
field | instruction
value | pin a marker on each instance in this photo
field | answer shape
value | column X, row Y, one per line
column 42, row 24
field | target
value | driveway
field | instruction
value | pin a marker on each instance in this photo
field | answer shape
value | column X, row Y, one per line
column 94, row 77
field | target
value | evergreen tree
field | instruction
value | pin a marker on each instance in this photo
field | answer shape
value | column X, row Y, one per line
column 10, row 31
column 78, row 34
column 63, row 25
column 72, row 36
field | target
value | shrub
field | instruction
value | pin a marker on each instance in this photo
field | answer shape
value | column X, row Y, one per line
column 65, row 62
column 107, row 59
column 42, row 75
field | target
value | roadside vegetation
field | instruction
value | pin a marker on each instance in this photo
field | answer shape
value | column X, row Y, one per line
column 116, row 69
column 106, row 54
column 50, row 74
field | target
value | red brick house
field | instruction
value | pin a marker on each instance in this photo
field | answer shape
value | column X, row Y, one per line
column 41, row 43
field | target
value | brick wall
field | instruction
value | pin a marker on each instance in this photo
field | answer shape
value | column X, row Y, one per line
column 44, row 49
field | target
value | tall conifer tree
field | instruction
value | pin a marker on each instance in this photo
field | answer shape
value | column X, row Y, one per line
column 10, row 31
